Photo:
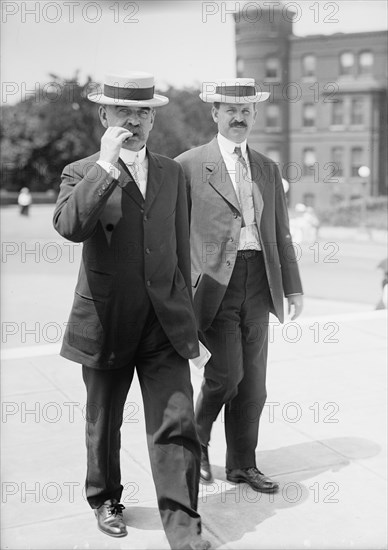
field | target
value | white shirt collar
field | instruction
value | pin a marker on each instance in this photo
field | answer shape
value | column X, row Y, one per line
column 129, row 156
column 229, row 146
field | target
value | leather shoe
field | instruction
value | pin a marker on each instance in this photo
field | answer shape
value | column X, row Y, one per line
column 110, row 518
column 256, row 479
column 206, row 475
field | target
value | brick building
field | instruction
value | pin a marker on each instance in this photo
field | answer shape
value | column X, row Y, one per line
column 327, row 113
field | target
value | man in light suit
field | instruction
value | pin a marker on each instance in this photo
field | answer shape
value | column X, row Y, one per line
column 133, row 307
column 243, row 263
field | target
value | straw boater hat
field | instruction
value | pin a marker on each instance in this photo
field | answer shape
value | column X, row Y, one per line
column 232, row 90
column 134, row 88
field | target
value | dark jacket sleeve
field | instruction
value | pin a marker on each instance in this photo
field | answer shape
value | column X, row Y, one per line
column 183, row 231
column 83, row 194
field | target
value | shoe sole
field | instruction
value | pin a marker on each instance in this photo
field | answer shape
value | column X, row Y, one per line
column 242, row 480
column 119, row 535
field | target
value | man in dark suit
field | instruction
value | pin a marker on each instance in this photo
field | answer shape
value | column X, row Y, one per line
column 133, row 307
column 243, row 263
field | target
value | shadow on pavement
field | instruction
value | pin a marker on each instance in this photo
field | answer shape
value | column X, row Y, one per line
column 230, row 511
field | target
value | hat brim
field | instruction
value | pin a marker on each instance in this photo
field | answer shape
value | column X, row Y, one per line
column 156, row 101
column 222, row 98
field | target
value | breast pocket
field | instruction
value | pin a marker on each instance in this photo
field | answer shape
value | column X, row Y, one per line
column 195, row 278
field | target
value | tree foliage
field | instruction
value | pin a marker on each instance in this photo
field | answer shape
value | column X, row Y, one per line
column 42, row 134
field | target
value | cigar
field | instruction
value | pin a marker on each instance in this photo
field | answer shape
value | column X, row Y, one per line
column 128, row 137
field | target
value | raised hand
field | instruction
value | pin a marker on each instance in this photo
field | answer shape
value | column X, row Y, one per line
column 111, row 143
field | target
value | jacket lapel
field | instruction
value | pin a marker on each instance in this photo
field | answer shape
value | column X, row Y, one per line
column 258, row 182
column 258, row 169
column 154, row 180
column 217, row 174
column 128, row 184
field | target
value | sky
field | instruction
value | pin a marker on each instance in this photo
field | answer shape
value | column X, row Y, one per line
column 181, row 42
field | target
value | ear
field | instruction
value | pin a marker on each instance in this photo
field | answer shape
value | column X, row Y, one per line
column 152, row 118
column 103, row 116
column 215, row 114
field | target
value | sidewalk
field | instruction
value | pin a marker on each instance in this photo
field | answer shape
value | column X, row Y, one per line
column 323, row 437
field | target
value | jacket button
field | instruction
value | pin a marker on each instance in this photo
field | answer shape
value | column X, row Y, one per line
column 148, row 251
column 228, row 262
column 148, row 283
column 231, row 239
column 145, row 218
column 103, row 187
column 235, row 215
column 99, row 193
column 109, row 226
column 141, row 210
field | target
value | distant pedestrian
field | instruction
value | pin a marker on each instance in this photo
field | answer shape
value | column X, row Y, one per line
column 304, row 225
column 383, row 301
column 24, row 201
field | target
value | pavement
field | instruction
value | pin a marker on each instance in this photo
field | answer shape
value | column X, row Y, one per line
column 323, row 437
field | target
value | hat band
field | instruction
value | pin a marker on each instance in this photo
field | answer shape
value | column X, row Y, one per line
column 236, row 91
column 133, row 94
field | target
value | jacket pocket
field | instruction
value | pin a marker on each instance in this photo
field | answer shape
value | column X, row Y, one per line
column 95, row 286
column 85, row 330
column 195, row 278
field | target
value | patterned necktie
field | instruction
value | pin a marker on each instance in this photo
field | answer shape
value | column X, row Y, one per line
column 244, row 188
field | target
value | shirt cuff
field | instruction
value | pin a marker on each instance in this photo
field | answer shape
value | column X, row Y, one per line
column 294, row 294
column 109, row 168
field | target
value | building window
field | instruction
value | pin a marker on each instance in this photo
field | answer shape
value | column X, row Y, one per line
column 365, row 62
column 356, row 159
column 338, row 112
column 346, row 63
column 274, row 154
column 273, row 115
column 309, row 160
column 308, row 65
column 357, row 112
column 309, row 115
column 337, row 158
column 272, row 68
column 240, row 67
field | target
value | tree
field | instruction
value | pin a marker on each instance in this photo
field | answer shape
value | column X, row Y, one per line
column 42, row 134
column 182, row 124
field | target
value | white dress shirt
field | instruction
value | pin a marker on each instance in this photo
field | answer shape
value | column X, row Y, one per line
column 137, row 164
column 249, row 235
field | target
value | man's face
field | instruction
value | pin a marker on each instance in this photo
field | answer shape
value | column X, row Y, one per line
column 138, row 120
column 235, row 120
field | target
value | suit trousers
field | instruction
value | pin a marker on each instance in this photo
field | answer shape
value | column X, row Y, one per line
column 236, row 373
column 172, row 440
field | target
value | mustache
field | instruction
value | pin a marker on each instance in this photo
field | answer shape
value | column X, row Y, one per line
column 238, row 125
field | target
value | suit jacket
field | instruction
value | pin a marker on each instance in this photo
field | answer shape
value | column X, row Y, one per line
column 216, row 225
column 135, row 251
